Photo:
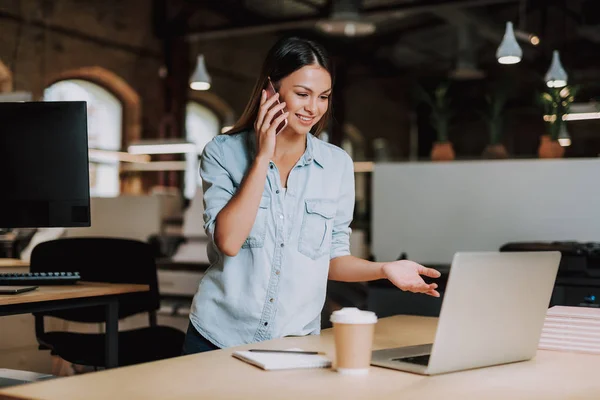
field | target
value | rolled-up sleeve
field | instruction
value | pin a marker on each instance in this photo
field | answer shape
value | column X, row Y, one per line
column 217, row 184
column 340, row 243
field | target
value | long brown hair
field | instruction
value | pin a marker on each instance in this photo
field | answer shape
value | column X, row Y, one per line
column 285, row 57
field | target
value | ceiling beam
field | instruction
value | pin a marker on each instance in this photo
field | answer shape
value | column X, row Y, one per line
column 258, row 26
column 234, row 11
column 462, row 18
column 80, row 35
column 176, row 17
column 309, row 3
column 486, row 27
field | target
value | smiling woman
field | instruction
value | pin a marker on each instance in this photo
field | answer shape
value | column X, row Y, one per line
column 306, row 93
column 278, row 209
column 285, row 65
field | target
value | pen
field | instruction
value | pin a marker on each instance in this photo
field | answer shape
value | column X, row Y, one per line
column 285, row 351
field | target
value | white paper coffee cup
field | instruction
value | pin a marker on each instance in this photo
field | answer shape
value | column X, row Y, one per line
column 353, row 335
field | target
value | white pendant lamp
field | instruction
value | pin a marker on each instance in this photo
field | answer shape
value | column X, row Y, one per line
column 509, row 51
column 556, row 76
column 200, row 79
column 345, row 20
column 564, row 139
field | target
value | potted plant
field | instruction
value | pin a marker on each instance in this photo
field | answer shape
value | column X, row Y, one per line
column 494, row 116
column 439, row 102
column 555, row 102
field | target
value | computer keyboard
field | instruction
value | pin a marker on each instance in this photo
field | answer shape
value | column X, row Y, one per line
column 421, row 360
column 39, row 278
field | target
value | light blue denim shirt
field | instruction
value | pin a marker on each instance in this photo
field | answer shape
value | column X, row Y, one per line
column 275, row 286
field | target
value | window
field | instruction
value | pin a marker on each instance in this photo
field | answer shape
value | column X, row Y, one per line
column 201, row 125
column 105, row 113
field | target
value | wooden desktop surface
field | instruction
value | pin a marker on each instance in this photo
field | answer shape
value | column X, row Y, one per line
column 217, row 375
column 63, row 292
column 13, row 263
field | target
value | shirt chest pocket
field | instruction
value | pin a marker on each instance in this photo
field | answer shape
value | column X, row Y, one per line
column 317, row 227
column 259, row 229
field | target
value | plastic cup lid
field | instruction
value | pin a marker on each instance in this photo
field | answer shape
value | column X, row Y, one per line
column 352, row 315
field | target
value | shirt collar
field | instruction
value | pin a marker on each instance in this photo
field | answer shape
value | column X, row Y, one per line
column 312, row 153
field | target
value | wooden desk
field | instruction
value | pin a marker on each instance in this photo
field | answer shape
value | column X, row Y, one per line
column 13, row 263
column 82, row 294
column 217, row 375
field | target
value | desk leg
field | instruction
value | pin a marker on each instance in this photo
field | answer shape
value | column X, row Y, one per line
column 112, row 334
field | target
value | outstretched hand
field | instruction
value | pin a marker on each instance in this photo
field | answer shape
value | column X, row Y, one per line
column 406, row 275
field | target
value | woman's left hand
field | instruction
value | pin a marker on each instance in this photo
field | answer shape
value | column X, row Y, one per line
column 406, row 275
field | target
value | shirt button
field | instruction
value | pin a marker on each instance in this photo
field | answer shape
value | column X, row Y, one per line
column 277, row 272
column 277, row 191
column 280, row 216
column 271, row 166
column 266, row 323
column 282, row 244
column 271, row 299
column 309, row 160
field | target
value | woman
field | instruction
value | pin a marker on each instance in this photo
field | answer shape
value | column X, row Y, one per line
column 277, row 211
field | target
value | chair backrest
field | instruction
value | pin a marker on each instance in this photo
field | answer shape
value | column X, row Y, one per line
column 100, row 259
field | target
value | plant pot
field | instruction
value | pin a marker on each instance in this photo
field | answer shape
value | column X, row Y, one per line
column 442, row 151
column 495, row 151
column 550, row 148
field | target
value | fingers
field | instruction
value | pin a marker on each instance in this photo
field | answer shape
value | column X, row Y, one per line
column 431, row 290
column 265, row 104
column 276, row 122
column 261, row 111
column 421, row 287
column 427, row 289
column 271, row 114
column 415, row 287
column 430, row 272
column 263, row 97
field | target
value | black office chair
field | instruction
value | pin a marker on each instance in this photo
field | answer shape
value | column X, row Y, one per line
column 112, row 260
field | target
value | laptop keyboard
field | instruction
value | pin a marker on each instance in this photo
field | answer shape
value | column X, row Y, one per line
column 420, row 360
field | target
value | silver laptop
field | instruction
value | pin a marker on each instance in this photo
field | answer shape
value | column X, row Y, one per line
column 492, row 313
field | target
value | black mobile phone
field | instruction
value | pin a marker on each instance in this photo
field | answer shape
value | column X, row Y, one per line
column 271, row 92
column 16, row 289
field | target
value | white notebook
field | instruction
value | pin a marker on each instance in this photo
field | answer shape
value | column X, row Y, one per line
column 568, row 328
column 570, row 347
column 574, row 312
column 276, row 361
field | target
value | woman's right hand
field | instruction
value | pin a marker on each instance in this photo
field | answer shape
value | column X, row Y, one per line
column 265, row 127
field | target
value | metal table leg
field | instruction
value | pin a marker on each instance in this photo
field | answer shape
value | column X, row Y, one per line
column 112, row 334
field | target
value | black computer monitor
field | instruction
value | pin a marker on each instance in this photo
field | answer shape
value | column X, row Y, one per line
column 44, row 177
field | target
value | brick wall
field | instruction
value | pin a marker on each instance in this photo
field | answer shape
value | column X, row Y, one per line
column 40, row 39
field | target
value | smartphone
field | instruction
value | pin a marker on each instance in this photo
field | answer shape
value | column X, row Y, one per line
column 16, row 289
column 271, row 92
